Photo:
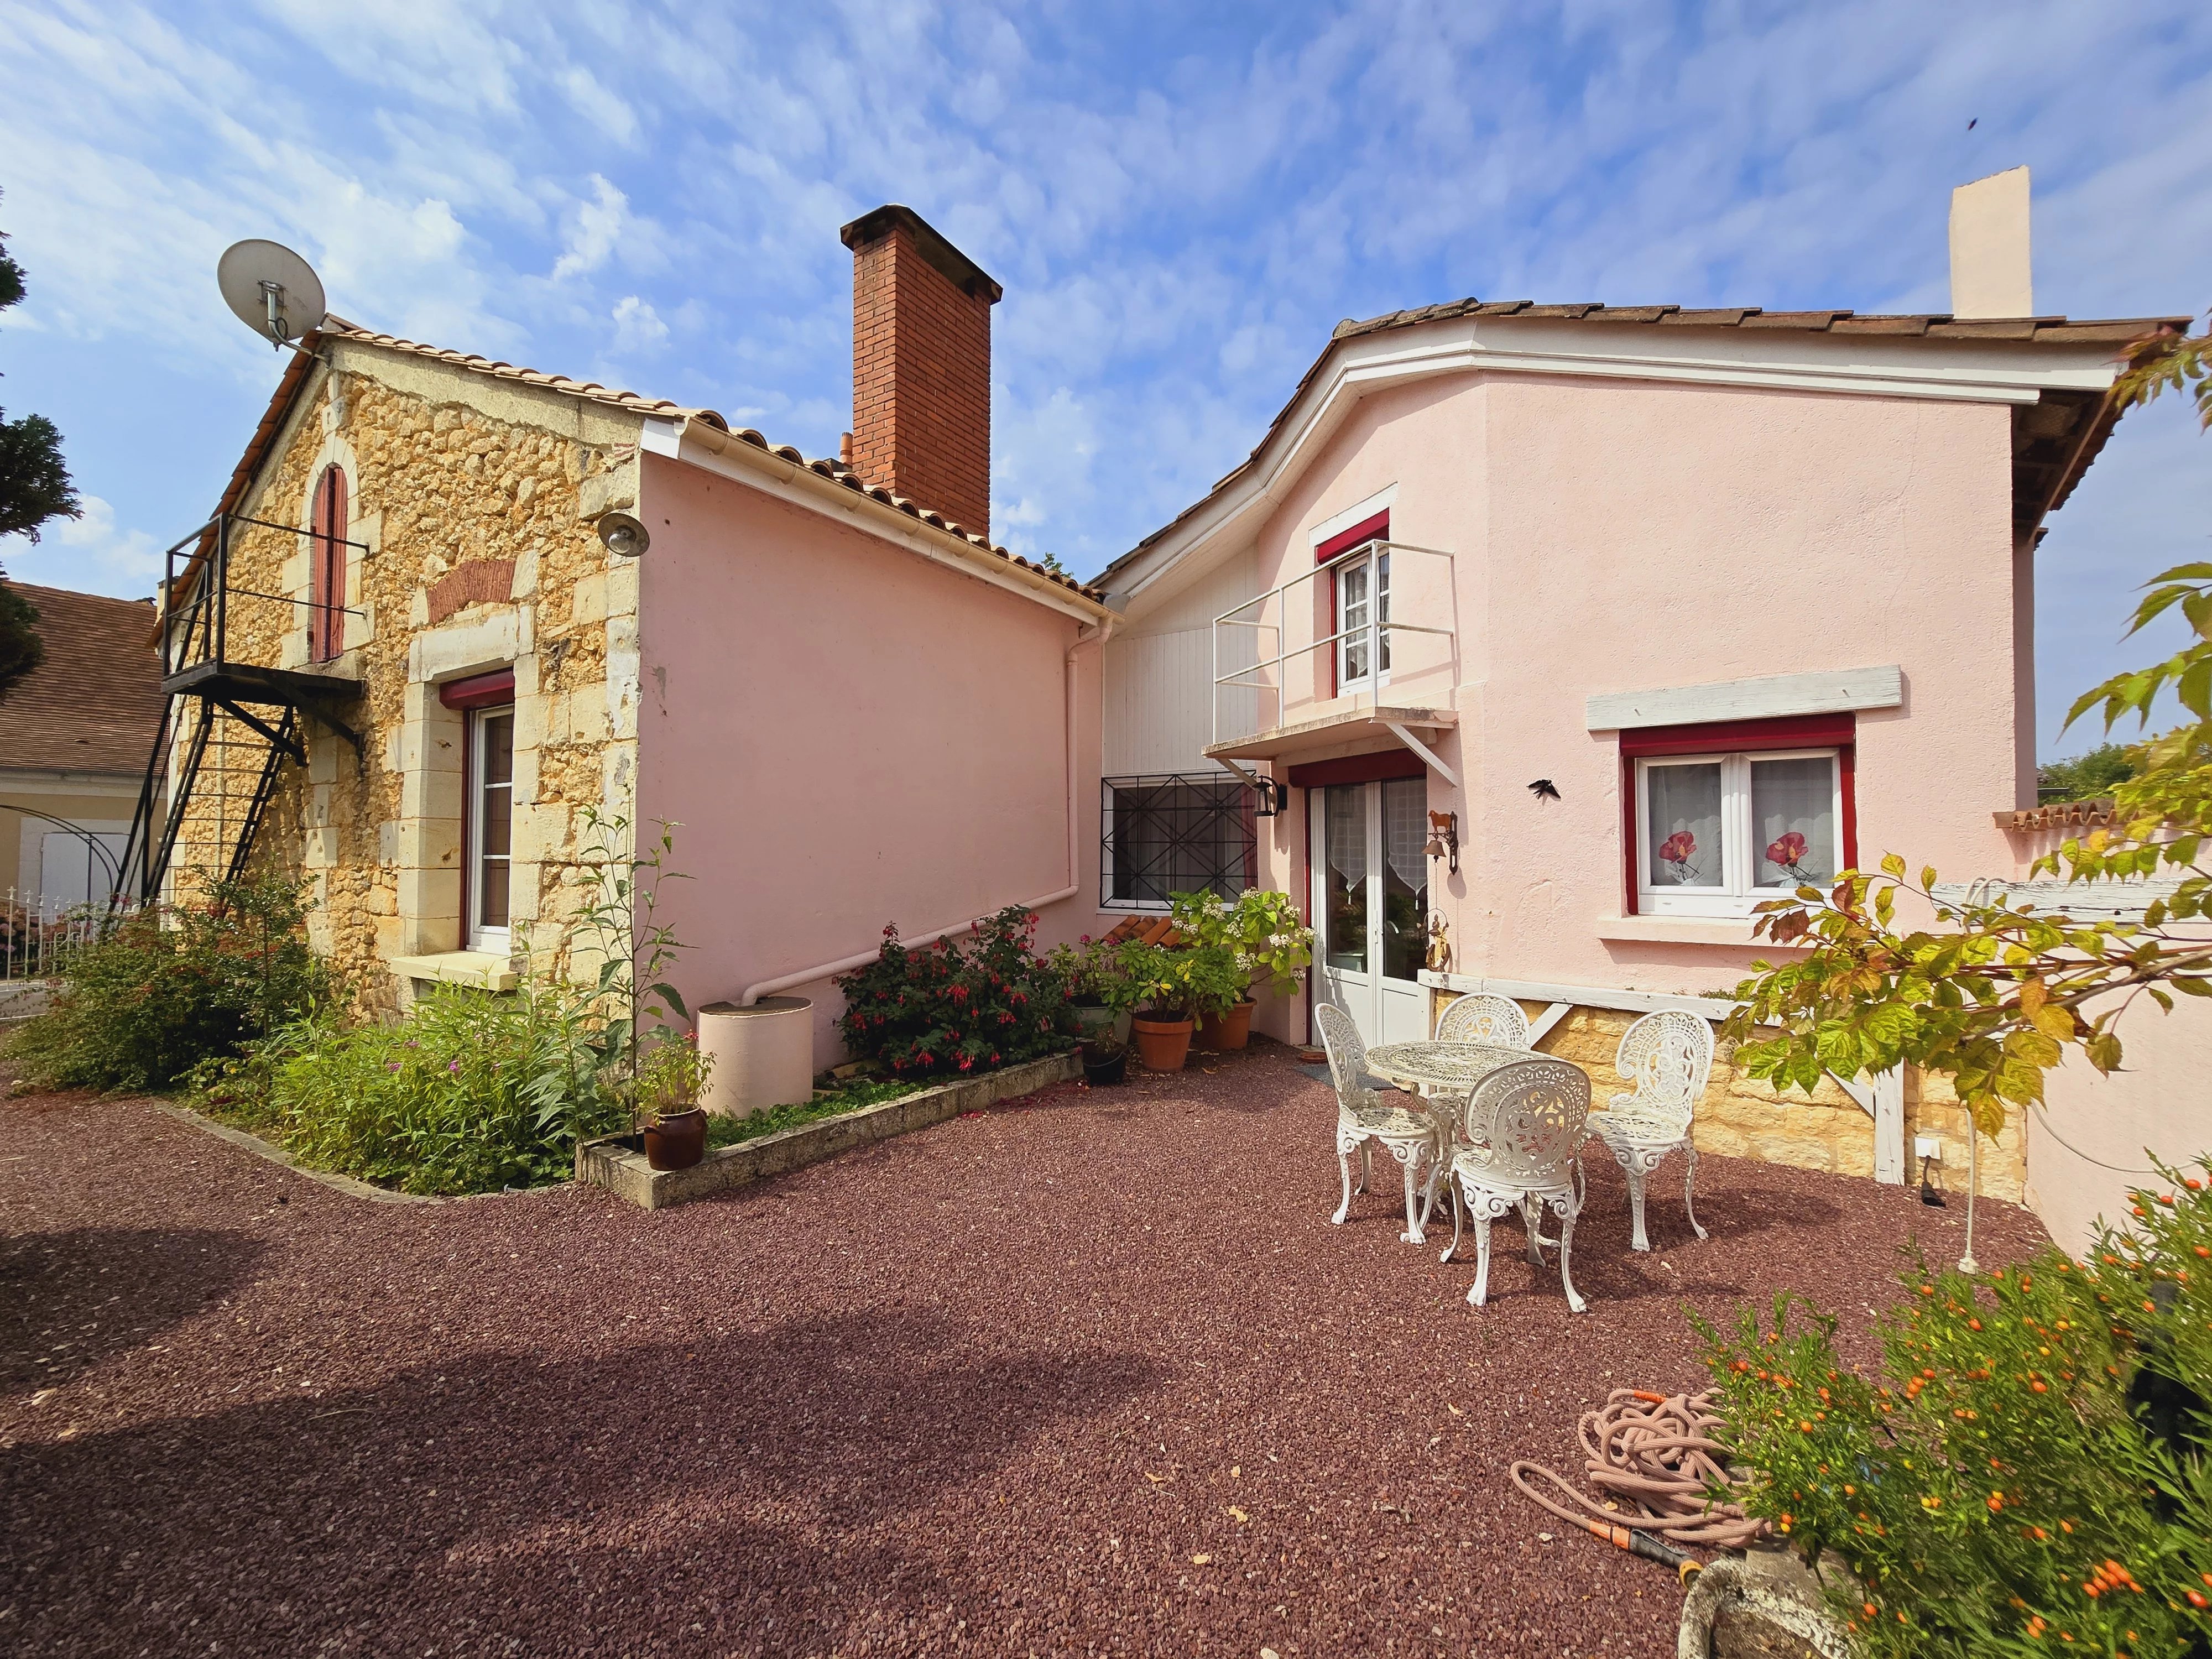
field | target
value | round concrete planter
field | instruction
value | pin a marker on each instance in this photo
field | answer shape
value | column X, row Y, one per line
column 1164, row 1044
column 763, row 1055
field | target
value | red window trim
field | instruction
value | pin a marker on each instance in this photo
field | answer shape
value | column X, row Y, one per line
column 1345, row 540
column 327, row 567
column 1367, row 530
column 481, row 691
column 1836, row 731
column 1729, row 737
column 1383, row 764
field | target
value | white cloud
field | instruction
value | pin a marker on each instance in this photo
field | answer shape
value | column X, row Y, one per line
column 90, row 553
column 638, row 326
column 596, row 226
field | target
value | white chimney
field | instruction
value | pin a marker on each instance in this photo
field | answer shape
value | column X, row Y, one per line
column 1988, row 247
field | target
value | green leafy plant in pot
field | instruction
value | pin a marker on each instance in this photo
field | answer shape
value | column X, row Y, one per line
column 1173, row 990
column 1090, row 969
column 670, row 1079
column 1271, row 945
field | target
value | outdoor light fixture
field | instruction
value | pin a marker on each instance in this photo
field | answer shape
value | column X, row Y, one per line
column 624, row 537
column 1274, row 797
column 1443, row 838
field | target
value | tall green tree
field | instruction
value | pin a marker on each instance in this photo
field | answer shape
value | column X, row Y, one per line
column 1993, row 993
column 34, row 487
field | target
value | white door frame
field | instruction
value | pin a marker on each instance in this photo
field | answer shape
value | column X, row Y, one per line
column 1386, row 1010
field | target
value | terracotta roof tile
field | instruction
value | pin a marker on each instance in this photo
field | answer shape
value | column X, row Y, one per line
column 93, row 705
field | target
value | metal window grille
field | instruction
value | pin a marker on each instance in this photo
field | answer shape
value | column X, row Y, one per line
column 1175, row 834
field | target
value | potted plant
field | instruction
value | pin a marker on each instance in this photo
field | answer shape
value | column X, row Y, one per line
column 1105, row 1059
column 669, row 1081
column 1269, row 942
column 1172, row 989
column 1087, row 968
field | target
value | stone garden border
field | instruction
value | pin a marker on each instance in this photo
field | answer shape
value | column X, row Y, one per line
column 607, row 1163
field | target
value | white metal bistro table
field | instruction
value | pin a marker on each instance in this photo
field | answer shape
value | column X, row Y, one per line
column 1445, row 1068
column 1444, row 1074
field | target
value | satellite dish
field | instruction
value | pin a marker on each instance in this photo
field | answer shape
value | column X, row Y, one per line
column 270, row 290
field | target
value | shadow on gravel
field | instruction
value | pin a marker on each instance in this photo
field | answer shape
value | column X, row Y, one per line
column 72, row 1299
column 660, row 1497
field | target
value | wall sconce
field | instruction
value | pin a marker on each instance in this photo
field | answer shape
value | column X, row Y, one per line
column 1443, row 838
column 622, row 534
column 1274, row 797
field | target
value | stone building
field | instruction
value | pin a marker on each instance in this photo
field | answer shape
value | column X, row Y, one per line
column 451, row 612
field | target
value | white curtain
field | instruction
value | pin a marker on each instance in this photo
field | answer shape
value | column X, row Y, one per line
column 1347, row 833
column 1405, row 830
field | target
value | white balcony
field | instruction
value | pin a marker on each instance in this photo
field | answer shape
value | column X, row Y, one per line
column 1363, row 645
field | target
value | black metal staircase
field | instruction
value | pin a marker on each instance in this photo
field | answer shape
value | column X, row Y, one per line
column 228, row 727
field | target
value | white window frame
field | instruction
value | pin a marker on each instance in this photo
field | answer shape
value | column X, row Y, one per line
column 1376, row 558
column 497, row 940
column 1735, row 895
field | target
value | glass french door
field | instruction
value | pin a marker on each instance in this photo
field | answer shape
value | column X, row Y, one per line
column 1370, row 903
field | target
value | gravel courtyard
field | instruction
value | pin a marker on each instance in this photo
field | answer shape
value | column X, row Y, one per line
column 1088, row 1372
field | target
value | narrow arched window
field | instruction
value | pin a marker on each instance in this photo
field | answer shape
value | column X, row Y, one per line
column 326, row 526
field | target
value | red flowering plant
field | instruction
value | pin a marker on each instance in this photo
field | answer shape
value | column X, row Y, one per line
column 2030, row 1470
column 971, row 1004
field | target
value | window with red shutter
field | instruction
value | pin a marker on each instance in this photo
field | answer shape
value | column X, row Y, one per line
column 327, row 573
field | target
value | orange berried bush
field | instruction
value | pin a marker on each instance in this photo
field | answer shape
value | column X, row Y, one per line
column 2036, row 1455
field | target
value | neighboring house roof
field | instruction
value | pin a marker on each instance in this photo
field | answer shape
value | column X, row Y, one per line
column 2046, row 464
column 337, row 328
column 94, row 704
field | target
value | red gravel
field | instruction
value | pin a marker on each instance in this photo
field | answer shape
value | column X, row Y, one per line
column 1090, row 1372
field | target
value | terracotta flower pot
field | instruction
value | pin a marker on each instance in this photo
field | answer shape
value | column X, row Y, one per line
column 1163, row 1044
column 676, row 1140
column 1231, row 1030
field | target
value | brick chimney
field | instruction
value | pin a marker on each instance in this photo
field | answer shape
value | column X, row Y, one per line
column 921, row 365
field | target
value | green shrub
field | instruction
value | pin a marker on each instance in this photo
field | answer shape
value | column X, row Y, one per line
column 163, row 992
column 955, row 1006
column 470, row 1092
column 2032, row 1473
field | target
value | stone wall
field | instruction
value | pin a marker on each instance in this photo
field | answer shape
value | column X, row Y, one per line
column 472, row 500
column 1739, row 1116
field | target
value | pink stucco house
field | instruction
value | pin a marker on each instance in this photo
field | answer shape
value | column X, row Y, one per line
column 1557, row 636
column 1531, row 647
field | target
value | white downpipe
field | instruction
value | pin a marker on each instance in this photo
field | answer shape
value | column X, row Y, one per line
column 766, row 987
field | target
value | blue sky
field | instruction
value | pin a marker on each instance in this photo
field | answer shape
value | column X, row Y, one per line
column 1181, row 201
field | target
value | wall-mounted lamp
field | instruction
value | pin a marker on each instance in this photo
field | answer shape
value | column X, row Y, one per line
column 1274, row 797
column 622, row 534
column 1443, row 838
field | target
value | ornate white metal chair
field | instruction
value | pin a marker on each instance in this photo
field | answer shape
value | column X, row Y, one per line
column 1481, row 1016
column 1532, row 1114
column 1478, row 1017
column 1366, row 1117
column 1668, row 1056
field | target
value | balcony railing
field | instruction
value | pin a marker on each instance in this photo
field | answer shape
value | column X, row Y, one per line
column 1365, row 651
column 196, row 599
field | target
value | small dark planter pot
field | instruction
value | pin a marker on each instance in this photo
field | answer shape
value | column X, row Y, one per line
column 1105, row 1063
column 676, row 1140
